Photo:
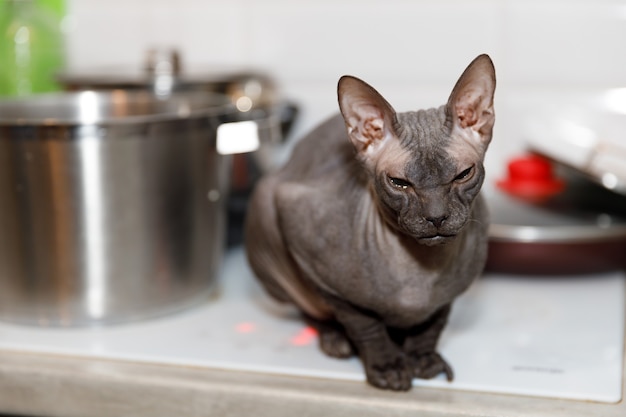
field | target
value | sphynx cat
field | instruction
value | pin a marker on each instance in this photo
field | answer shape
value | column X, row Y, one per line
column 375, row 225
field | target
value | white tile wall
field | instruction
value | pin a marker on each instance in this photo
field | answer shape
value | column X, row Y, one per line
column 410, row 50
column 566, row 43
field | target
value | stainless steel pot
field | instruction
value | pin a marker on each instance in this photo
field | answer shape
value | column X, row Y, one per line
column 111, row 205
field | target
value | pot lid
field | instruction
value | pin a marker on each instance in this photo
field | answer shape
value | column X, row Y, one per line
column 582, row 212
column 585, row 133
column 163, row 73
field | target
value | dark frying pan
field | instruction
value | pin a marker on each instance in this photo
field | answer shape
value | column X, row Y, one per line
column 578, row 229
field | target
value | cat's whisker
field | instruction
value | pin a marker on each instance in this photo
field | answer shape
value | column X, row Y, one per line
column 476, row 221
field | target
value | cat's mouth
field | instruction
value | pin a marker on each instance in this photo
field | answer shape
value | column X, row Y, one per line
column 438, row 239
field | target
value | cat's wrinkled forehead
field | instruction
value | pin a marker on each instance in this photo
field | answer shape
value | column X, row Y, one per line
column 424, row 130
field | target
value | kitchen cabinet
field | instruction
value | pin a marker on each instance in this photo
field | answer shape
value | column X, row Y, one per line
column 49, row 385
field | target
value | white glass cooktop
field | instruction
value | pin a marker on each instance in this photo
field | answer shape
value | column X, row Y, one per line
column 548, row 337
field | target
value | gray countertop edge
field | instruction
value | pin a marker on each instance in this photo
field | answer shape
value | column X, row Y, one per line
column 65, row 386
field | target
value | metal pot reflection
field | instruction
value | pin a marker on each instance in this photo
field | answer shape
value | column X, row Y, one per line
column 111, row 205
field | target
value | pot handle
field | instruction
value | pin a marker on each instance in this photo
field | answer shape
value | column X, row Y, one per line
column 246, row 133
column 238, row 137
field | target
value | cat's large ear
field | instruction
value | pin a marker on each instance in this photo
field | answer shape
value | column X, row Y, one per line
column 368, row 116
column 470, row 105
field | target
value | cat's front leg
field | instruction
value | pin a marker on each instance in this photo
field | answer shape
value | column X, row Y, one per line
column 333, row 339
column 420, row 347
column 384, row 362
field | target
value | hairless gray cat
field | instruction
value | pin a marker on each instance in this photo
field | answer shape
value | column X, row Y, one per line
column 375, row 225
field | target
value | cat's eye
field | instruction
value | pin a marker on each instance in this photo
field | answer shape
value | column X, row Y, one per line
column 465, row 174
column 399, row 183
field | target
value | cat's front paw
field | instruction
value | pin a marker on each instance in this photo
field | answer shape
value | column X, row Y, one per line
column 335, row 344
column 429, row 365
column 389, row 372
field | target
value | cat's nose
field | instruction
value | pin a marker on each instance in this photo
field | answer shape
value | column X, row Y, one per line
column 437, row 221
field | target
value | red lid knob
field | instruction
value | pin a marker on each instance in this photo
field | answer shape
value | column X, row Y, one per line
column 531, row 177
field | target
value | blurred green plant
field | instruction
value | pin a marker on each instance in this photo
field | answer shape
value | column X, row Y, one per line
column 32, row 48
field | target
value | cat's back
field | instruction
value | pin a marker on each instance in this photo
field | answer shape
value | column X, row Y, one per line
column 323, row 152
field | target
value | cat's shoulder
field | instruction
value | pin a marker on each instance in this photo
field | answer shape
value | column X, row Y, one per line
column 297, row 199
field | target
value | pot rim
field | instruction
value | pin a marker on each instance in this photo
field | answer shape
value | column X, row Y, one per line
column 93, row 108
column 556, row 234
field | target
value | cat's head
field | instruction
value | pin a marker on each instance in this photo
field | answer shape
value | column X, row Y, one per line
column 425, row 167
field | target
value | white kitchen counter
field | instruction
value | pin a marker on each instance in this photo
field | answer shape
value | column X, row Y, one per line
column 136, row 370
